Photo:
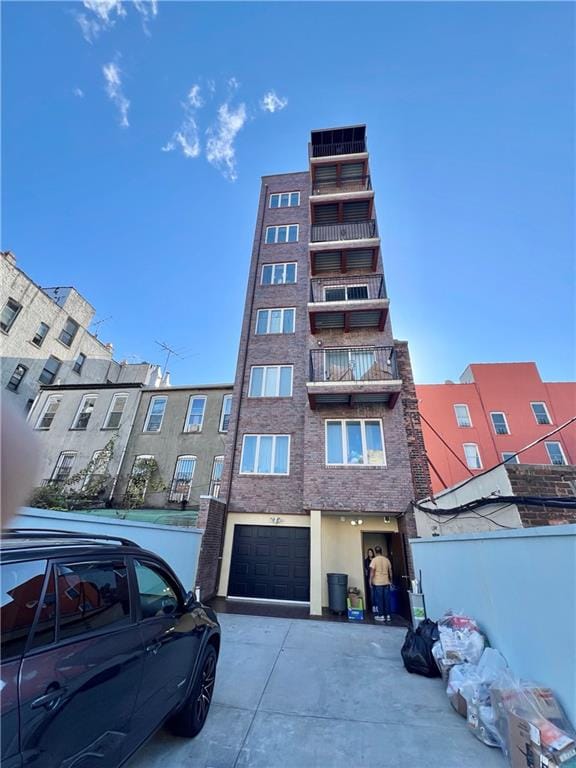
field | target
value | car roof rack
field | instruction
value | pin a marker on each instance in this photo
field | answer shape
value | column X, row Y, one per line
column 40, row 533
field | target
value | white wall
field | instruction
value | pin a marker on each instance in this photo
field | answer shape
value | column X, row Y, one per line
column 178, row 546
column 521, row 588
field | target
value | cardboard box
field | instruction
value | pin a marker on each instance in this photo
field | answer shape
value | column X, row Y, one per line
column 445, row 665
column 538, row 743
column 459, row 704
column 355, row 609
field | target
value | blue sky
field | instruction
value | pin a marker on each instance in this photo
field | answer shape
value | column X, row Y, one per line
column 470, row 115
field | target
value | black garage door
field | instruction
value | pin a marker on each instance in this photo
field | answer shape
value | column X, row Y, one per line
column 270, row 563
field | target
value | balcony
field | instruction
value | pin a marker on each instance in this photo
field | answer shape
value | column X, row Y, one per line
column 344, row 260
column 348, row 303
column 341, row 189
column 337, row 142
column 352, row 230
column 349, row 376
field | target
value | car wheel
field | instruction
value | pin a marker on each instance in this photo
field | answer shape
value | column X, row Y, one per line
column 190, row 720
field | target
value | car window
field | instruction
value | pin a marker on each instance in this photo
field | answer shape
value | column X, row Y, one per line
column 45, row 627
column 158, row 597
column 21, row 588
column 92, row 596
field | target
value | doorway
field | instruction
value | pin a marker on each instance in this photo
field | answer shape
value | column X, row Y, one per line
column 394, row 549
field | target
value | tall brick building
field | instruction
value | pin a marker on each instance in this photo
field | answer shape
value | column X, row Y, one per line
column 324, row 429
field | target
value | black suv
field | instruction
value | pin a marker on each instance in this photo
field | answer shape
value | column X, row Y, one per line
column 100, row 646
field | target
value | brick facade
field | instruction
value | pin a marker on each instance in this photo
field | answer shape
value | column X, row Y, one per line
column 541, row 480
column 211, row 519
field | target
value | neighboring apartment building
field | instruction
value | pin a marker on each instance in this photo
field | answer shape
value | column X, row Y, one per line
column 494, row 411
column 318, row 466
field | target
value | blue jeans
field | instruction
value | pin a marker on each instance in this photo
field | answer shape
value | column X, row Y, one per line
column 382, row 598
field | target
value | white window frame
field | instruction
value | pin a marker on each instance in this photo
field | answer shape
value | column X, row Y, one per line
column 275, row 309
column 346, row 288
column 283, row 264
column 546, row 411
column 136, row 458
column 111, row 410
column 357, row 374
column 191, row 428
column 257, row 455
column 462, row 405
column 49, row 400
column 226, row 399
column 95, row 456
column 561, row 449
column 265, row 368
column 279, row 196
column 41, row 325
column 149, row 414
column 344, row 431
column 499, row 413
column 474, row 445
column 79, row 412
column 213, row 480
column 277, row 228
column 59, row 463
column 78, row 368
column 177, row 495
column 514, row 459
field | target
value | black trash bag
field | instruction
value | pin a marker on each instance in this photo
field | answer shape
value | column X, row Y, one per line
column 417, row 650
column 428, row 629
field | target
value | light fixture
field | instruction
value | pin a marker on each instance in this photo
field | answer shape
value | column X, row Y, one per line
column 352, row 522
column 342, row 519
column 276, row 520
column 386, row 518
column 359, row 522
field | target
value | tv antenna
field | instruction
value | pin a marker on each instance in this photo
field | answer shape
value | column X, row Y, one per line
column 98, row 323
column 169, row 352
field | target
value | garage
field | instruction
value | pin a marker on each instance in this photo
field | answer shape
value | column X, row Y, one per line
column 270, row 563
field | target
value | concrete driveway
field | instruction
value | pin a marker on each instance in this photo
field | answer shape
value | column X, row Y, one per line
column 316, row 694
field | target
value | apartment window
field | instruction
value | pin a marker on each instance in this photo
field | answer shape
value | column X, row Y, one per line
column 195, row 415
column 182, row 480
column 556, row 453
column 350, row 364
column 9, row 314
column 472, row 455
column 225, row 413
column 499, row 423
column 69, row 331
column 287, row 233
column 354, row 442
column 279, row 274
column 40, row 335
column 51, row 368
column 155, row 414
column 275, row 321
column 345, row 292
column 79, row 363
column 285, row 200
column 84, row 412
column 462, row 416
column 16, row 378
column 29, row 404
column 48, row 412
column 136, row 489
column 98, row 466
column 509, row 457
column 114, row 415
column 265, row 455
column 216, row 477
column 271, row 381
column 541, row 413
column 63, row 467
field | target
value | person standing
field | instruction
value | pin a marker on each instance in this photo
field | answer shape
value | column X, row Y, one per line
column 381, row 579
column 370, row 602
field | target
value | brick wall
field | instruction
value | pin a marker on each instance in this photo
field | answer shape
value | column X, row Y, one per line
column 211, row 518
column 543, row 480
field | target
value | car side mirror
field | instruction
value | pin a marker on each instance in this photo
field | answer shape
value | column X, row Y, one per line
column 190, row 600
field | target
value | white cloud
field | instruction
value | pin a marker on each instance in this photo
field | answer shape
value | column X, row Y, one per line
column 101, row 15
column 78, row 92
column 194, row 98
column 233, row 84
column 220, row 150
column 272, row 103
column 114, row 90
column 187, row 137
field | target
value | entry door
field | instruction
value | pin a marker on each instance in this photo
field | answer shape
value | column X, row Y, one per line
column 270, row 563
column 397, row 555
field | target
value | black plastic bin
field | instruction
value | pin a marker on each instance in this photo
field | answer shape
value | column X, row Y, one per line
column 337, row 592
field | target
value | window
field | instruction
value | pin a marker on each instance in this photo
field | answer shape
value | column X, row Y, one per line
column 541, row 413
column 216, row 477
column 51, row 368
column 499, row 423
column 225, row 413
column 279, row 274
column 21, row 590
column 114, row 415
column 29, row 404
column 9, row 314
column 155, row 414
column 63, row 467
column 79, row 363
column 182, row 480
column 16, row 378
column 40, row 334
column 92, row 596
column 84, row 412
column 68, row 333
column 509, row 457
column 275, row 321
column 355, row 442
column 271, row 381
column 462, row 416
column 158, row 596
column 195, row 415
column 284, row 200
column 345, row 292
column 351, row 365
column 98, row 466
column 472, row 455
column 138, row 484
column 556, row 453
column 45, row 629
column 265, row 455
column 284, row 234
column 48, row 413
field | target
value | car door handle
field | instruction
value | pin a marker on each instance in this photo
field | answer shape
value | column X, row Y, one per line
column 50, row 700
column 154, row 648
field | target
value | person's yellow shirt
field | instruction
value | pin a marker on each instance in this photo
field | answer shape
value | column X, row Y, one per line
column 382, row 571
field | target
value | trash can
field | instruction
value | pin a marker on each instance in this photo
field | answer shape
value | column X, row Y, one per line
column 337, row 592
column 394, row 600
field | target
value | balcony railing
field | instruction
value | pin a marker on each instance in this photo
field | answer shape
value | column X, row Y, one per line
column 54, row 481
column 353, row 364
column 180, row 489
column 338, row 148
column 353, row 230
column 335, row 186
column 336, row 289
